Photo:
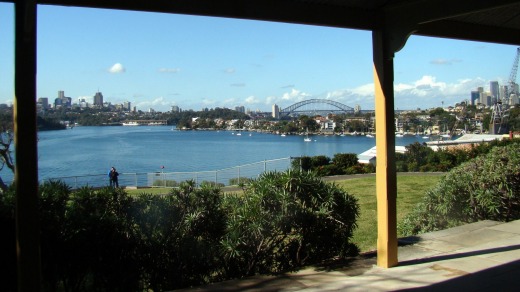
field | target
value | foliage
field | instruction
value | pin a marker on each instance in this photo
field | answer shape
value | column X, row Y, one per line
column 106, row 240
column 170, row 183
column 345, row 160
column 487, row 187
column 301, row 163
column 239, row 180
column 6, row 158
column 7, row 241
column 208, row 183
column 318, row 161
column 285, row 220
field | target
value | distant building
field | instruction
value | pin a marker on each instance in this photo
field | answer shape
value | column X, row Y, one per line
column 494, row 89
column 62, row 101
column 240, row 109
column 276, row 111
column 98, row 99
column 175, row 109
column 43, row 102
column 357, row 108
column 475, row 97
column 127, row 106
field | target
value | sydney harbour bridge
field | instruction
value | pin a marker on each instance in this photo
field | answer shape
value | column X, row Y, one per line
column 312, row 107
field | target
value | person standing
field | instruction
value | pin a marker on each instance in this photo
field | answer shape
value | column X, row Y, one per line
column 110, row 176
column 114, row 178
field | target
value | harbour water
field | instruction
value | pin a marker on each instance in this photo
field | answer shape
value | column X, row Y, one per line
column 93, row 150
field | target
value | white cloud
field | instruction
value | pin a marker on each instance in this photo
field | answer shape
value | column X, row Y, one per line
column 230, row 101
column 252, row 100
column 117, row 68
column 208, row 101
column 441, row 61
column 159, row 101
column 295, row 95
column 169, row 70
column 427, row 92
column 229, row 70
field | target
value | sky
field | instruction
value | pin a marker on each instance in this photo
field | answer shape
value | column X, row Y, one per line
column 159, row 60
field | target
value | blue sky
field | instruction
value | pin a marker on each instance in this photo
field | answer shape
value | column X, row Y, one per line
column 158, row 60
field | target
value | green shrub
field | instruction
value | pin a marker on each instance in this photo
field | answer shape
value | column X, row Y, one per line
column 179, row 236
column 8, row 240
column 285, row 220
column 320, row 160
column 301, row 163
column 242, row 180
column 328, row 170
column 345, row 160
column 487, row 187
column 207, row 183
column 165, row 183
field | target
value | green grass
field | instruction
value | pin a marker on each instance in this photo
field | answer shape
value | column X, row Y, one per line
column 153, row 191
column 410, row 190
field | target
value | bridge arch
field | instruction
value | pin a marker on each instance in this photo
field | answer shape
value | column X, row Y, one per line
column 300, row 107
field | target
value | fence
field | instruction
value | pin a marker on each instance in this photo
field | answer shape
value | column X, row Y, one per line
column 222, row 177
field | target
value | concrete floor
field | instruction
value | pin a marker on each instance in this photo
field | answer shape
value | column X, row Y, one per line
column 482, row 256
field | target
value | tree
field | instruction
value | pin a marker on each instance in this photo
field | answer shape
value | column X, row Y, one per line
column 6, row 160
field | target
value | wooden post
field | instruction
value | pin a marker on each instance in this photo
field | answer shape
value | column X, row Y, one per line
column 386, row 180
column 25, row 137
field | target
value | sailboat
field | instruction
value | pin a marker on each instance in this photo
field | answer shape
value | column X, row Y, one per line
column 307, row 139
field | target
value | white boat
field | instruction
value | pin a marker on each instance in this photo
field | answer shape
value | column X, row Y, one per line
column 398, row 135
column 307, row 139
column 282, row 135
column 239, row 134
column 369, row 136
column 130, row 124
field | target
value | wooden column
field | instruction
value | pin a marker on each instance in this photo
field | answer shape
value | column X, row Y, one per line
column 25, row 137
column 386, row 180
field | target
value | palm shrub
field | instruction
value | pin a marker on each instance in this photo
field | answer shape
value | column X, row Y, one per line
column 179, row 236
column 285, row 220
column 101, row 251
column 487, row 187
column 239, row 180
column 8, row 240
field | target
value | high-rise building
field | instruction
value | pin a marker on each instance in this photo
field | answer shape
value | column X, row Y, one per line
column 61, row 94
column 494, row 89
column 240, row 109
column 475, row 97
column 127, row 106
column 357, row 108
column 175, row 109
column 98, row 99
column 276, row 111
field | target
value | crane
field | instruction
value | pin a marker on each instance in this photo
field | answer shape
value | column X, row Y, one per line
column 499, row 116
column 512, row 86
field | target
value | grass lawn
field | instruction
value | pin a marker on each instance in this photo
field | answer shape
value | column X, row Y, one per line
column 410, row 190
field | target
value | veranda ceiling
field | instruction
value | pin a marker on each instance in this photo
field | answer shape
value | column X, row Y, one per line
column 496, row 21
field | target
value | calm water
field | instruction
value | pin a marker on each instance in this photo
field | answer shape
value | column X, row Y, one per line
column 92, row 150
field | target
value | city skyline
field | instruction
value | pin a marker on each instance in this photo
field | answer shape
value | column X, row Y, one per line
column 158, row 61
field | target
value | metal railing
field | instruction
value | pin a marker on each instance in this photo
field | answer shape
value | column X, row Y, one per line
column 222, row 177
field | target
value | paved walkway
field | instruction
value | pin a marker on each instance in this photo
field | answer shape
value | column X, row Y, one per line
column 482, row 256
